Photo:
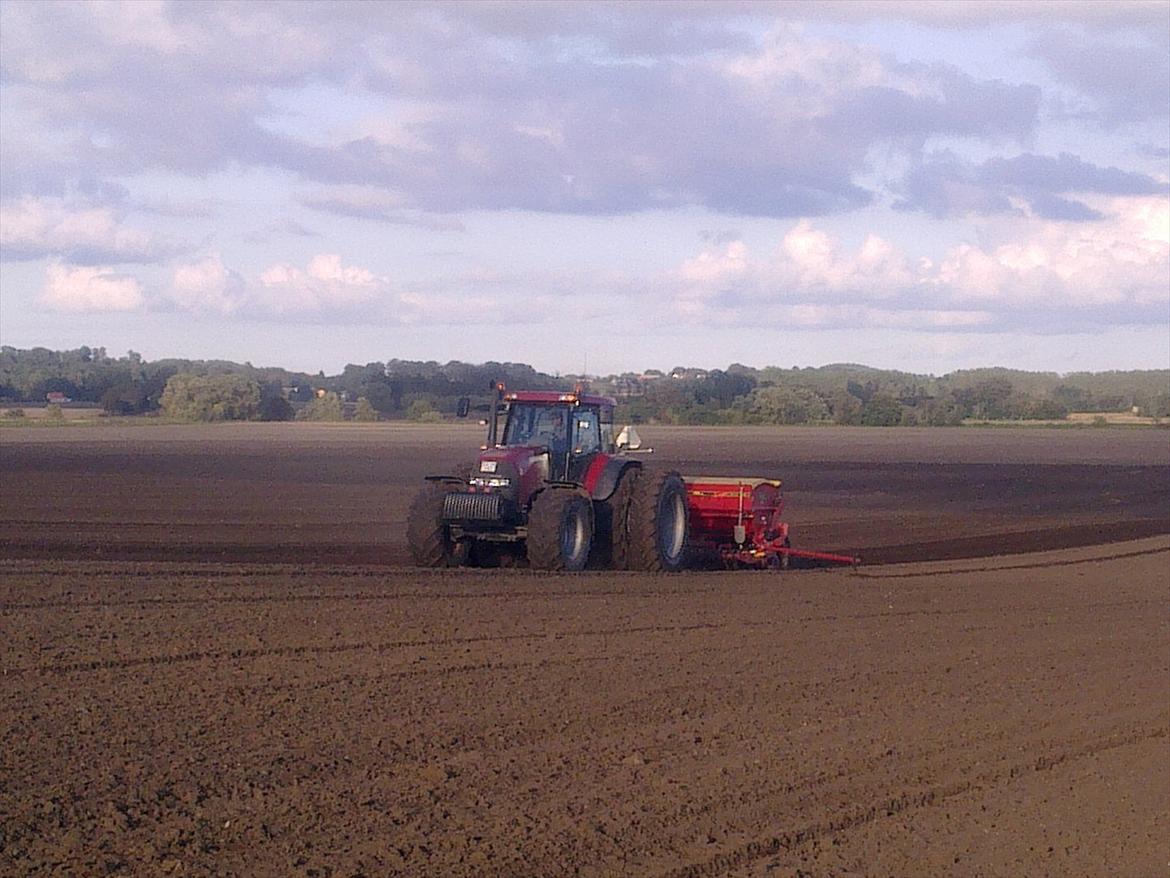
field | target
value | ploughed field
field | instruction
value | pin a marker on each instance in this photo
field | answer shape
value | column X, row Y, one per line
column 215, row 662
column 301, row 493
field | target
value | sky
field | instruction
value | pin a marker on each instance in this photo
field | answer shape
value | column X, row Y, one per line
column 595, row 187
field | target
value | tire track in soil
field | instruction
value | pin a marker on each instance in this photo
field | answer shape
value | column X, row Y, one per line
column 791, row 840
column 452, row 670
column 387, row 646
column 743, row 797
column 339, row 596
column 373, row 646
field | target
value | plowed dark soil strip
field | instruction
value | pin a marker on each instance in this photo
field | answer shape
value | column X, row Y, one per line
column 1036, row 565
column 1045, row 540
column 316, row 555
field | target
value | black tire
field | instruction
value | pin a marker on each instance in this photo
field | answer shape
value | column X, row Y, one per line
column 613, row 530
column 427, row 535
column 560, row 530
column 658, row 522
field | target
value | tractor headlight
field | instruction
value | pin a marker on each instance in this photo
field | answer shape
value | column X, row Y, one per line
column 480, row 482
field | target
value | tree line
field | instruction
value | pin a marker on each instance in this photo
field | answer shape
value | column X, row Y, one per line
column 210, row 390
column 859, row 395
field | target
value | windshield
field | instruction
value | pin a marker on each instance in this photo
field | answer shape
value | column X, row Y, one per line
column 530, row 424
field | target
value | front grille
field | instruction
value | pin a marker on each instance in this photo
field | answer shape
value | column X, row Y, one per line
column 473, row 507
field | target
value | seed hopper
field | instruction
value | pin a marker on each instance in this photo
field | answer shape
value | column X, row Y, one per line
column 739, row 521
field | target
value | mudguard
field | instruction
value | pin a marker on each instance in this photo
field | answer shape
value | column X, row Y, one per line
column 601, row 479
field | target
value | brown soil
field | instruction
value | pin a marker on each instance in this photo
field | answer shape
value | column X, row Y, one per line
column 184, row 694
column 307, row 494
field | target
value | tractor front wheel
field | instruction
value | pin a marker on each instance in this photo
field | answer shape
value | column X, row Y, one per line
column 657, row 522
column 560, row 530
column 428, row 536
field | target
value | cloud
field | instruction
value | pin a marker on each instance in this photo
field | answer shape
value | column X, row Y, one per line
column 780, row 130
column 990, row 12
column 193, row 208
column 1121, row 264
column 809, row 266
column 325, row 289
column 1124, row 78
column 1153, row 151
column 1049, row 275
column 36, row 228
column 328, row 290
column 944, row 185
column 90, row 289
column 207, row 286
column 1066, row 173
column 602, row 110
column 325, row 284
column 365, row 202
column 283, row 226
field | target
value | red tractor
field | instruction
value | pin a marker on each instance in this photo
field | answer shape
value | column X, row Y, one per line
column 555, row 485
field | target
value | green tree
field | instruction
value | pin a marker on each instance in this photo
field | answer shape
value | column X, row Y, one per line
column 124, row 399
column 987, row 400
column 421, row 410
column 786, row 405
column 881, row 411
column 365, row 411
column 276, row 408
column 846, row 408
column 941, row 412
column 191, row 397
column 326, row 407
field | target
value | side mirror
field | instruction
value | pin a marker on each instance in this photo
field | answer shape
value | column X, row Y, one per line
column 463, row 407
column 628, row 439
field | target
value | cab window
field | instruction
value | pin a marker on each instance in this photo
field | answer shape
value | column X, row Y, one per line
column 586, row 431
column 536, row 425
column 607, row 434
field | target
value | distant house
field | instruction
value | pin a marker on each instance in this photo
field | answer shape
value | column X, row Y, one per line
column 56, row 397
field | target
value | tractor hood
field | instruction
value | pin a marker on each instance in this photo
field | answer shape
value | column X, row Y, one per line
column 516, row 470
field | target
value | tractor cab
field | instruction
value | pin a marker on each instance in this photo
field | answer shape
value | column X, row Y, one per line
column 571, row 428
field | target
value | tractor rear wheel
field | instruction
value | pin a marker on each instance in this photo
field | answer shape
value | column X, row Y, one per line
column 616, row 512
column 560, row 530
column 427, row 535
column 657, row 522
